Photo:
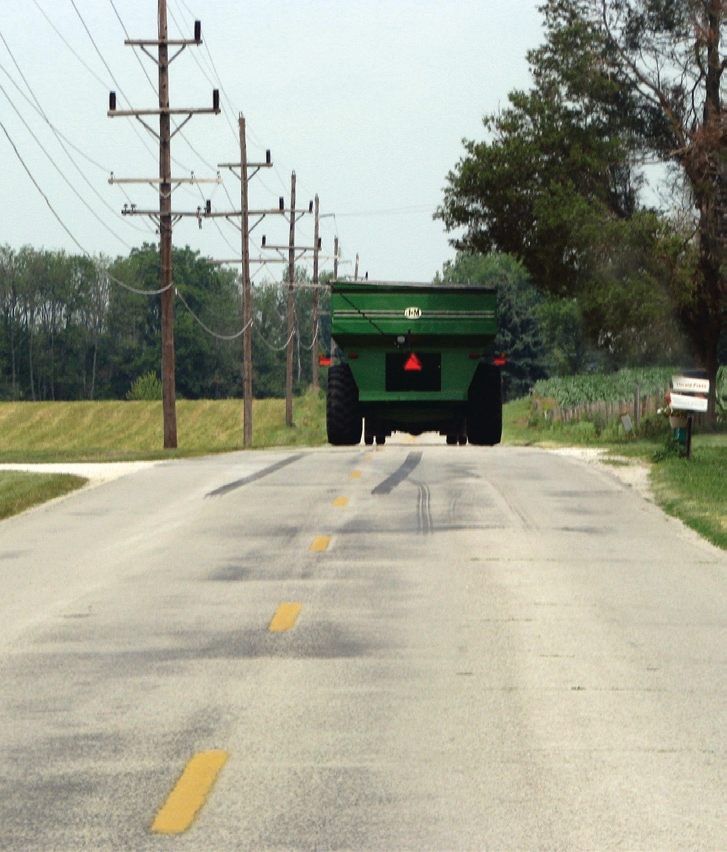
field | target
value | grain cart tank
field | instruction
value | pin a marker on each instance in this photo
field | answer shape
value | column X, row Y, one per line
column 411, row 358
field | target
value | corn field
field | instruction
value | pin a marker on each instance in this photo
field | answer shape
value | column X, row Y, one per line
column 637, row 393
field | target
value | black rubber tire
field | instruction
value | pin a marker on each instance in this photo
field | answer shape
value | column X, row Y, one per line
column 452, row 440
column 343, row 413
column 380, row 440
column 484, row 406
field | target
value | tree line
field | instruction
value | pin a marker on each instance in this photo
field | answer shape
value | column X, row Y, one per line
column 74, row 328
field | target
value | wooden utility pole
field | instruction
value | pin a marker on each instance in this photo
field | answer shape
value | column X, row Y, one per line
column 316, row 298
column 165, row 216
column 246, row 291
column 291, row 309
column 169, row 392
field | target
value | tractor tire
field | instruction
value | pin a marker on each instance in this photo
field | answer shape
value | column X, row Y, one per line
column 343, row 414
column 484, row 407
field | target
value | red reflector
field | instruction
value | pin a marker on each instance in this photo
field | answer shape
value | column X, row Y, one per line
column 501, row 361
column 324, row 362
column 412, row 364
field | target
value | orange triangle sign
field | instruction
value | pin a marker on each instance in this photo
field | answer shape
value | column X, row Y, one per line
column 413, row 364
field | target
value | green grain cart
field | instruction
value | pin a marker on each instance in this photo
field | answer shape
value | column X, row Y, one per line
column 413, row 358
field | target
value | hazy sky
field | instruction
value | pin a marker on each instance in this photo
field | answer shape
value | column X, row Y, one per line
column 366, row 100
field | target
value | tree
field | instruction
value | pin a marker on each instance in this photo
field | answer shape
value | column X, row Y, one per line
column 206, row 366
column 556, row 183
column 520, row 330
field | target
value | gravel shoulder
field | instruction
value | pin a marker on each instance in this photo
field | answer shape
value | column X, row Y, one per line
column 630, row 471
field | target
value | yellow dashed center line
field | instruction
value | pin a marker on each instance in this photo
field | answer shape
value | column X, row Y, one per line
column 190, row 792
column 285, row 617
column 367, row 458
column 320, row 543
column 355, row 474
column 341, row 501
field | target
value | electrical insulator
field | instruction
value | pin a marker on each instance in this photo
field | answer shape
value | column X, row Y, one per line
column 319, row 242
column 198, row 31
column 208, row 207
column 281, row 203
column 216, row 100
column 264, row 240
column 112, row 101
column 310, row 206
column 267, row 156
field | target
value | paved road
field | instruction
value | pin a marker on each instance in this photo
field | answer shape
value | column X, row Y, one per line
column 490, row 649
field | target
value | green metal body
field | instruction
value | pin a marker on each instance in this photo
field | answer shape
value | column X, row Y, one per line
column 376, row 327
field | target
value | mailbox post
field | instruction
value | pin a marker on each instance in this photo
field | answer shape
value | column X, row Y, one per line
column 689, row 393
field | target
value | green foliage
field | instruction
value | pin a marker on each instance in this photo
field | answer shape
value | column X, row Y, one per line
column 553, row 181
column 722, row 393
column 520, row 329
column 570, row 391
column 568, row 351
column 146, row 387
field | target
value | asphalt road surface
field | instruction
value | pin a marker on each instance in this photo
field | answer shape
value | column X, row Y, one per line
column 418, row 647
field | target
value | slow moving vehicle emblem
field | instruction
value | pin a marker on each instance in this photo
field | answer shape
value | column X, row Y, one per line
column 413, row 313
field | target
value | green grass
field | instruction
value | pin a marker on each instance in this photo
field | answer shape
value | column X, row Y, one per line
column 122, row 431
column 35, row 432
column 695, row 489
column 19, row 491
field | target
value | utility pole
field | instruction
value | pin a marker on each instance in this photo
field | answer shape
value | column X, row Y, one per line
column 246, row 291
column 291, row 310
column 335, row 259
column 245, row 260
column 165, row 217
column 316, row 298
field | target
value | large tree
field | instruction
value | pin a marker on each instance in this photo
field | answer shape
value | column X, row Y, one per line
column 556, row 181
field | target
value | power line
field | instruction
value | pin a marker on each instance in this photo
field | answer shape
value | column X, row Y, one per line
column 36, row 105
column 66, row 228
column 60, row 171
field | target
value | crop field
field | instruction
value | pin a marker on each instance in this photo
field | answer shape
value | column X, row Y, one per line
column 571, row 391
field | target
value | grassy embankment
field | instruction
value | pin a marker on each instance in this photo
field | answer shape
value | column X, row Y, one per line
column 35, row 432
column 694, row 490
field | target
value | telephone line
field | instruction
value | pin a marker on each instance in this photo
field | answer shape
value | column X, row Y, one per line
column 60, row 138
column 60, row 171
column 63, row 225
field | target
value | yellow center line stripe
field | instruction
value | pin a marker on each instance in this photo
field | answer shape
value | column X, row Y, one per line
column 285, row 617
column 190, row 792
column 341, row 501
column 320, row 543
column 355, row 474
column 367, row 458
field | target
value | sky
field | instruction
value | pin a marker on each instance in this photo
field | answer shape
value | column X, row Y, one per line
column 368, row 101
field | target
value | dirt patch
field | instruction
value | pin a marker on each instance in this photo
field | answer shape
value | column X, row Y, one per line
column 631, row 472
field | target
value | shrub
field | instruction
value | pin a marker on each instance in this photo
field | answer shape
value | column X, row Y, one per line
column 147, row 387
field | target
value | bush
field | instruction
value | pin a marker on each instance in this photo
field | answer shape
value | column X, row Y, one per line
column 146, row 388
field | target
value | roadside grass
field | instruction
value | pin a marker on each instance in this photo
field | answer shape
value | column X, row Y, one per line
column 126, row 431
column 19, row 491
column 693, row 490
column 37, row 432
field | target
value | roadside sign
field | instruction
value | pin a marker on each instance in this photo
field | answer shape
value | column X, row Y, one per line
column 689, row 385
column 682, row 402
